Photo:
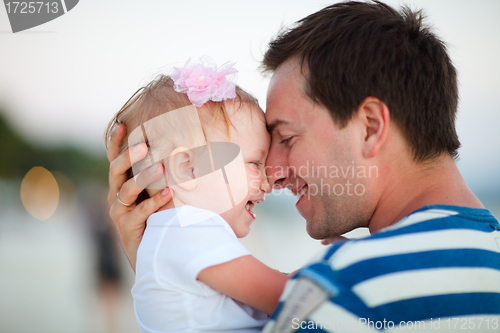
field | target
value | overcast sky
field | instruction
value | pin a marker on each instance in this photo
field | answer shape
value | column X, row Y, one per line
column 63, row 81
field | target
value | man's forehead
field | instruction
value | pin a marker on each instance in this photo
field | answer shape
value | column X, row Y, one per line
column 284, row 95
column 271, row 126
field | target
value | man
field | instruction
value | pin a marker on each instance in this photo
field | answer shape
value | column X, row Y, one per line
column 361, row 85
column 364, row 85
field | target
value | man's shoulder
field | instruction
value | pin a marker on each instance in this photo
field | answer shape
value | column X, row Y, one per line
column 427, row 229
column 430, row 239
column 425, row 266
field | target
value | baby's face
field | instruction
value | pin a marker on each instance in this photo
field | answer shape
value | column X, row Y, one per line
column 250, row 134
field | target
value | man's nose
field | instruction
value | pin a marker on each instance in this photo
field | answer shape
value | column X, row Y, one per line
column 276, row 167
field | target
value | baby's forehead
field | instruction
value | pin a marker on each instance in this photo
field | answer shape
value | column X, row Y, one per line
column 249, row 130
column 247, row 114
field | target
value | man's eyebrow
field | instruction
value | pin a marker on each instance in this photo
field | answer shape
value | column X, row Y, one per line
column 274, row 124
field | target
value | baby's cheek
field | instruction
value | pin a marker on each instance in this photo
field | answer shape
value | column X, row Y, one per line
column 253, row 179
column 254, row 185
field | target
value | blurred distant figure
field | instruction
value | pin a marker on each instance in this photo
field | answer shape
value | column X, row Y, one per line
column 107, row 268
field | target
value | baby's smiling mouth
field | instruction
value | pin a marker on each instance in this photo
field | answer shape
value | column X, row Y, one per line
column 250, row 205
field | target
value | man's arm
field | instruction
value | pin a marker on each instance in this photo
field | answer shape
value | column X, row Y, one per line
column 247, row 280
column 131, row 220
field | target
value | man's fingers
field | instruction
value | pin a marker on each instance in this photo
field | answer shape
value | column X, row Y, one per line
column 152, row 177
column 122, row 163
column 133, row 218
column 115, row 143
column 119, row 166
column 118, row 213
column 151, row 205
column 134, row 186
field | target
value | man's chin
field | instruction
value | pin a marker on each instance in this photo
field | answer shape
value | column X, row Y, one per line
column 314, row 232
column 316, row 227
column 320, row 230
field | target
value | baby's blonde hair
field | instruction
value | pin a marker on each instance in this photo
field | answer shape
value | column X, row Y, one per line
column 159, row 97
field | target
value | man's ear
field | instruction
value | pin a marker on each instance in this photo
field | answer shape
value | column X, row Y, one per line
column 375, row 117
column 181, row 168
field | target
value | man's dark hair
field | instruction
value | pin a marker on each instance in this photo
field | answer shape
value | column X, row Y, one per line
column 356, row 49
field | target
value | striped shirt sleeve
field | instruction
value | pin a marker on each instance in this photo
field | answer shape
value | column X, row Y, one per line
column 439, row 262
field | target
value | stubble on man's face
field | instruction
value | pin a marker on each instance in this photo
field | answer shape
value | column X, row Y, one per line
column 336, row 216
column 307, row 137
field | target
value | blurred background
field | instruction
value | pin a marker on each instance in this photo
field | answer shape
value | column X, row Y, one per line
column 61, row 266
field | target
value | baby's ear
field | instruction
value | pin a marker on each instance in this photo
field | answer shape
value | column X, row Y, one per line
column 181, row 168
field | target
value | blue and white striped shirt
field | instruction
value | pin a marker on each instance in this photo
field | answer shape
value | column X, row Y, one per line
column 437, row 264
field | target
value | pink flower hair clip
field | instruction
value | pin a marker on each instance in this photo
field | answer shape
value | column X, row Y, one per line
column 202, row 81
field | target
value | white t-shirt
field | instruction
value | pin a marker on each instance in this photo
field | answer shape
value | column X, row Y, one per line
column 167, row 296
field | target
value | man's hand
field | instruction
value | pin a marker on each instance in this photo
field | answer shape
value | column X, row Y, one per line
column 130, row 218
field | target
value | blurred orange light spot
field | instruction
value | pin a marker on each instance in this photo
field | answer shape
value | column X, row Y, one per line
column 40, row 193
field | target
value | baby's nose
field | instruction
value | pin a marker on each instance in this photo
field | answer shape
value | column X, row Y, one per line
column 264, row 186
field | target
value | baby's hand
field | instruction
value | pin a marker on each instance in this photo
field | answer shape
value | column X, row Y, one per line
column 328, row 241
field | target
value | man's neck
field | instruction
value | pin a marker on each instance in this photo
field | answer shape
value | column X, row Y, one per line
column 434, row 183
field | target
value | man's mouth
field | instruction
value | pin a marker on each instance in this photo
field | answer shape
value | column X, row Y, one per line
column 301, row 192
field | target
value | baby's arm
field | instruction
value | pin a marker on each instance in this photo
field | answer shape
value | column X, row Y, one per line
column 247, row 280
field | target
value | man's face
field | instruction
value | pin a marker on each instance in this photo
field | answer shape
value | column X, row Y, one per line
column 313, row 157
